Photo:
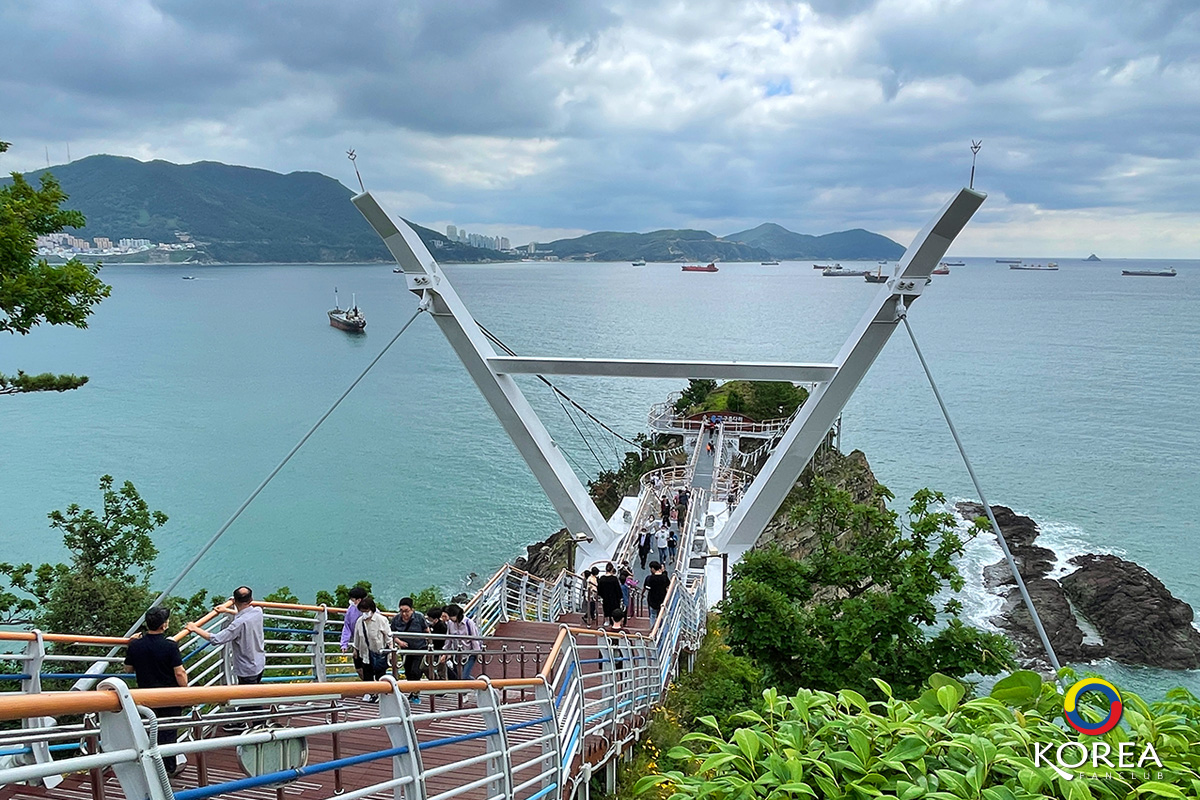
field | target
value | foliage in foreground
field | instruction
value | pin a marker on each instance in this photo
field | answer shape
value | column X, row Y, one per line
column 824, row 745
column 861, row 605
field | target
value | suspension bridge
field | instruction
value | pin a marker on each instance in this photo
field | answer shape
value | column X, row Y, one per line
column 556, row 703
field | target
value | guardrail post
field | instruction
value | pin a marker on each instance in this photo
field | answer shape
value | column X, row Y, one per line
column 609, row 670
column 572, row 722
column 523, row 593
column 552, row 743
column 488, row 702
column 543, row 603
column 123, row 730
column 34, row 663
column 403, row 734
column 318, row 644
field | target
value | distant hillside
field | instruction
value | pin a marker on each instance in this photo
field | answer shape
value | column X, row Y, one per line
column 234, row 214
column 856, row 244
column 664, row 245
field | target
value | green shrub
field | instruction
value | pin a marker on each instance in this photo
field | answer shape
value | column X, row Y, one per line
column 823, row 745
column 719, row 684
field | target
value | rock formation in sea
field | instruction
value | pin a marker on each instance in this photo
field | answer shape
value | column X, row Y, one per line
column 1139, row 620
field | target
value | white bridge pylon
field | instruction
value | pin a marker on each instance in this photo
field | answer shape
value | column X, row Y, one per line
column 835, row 382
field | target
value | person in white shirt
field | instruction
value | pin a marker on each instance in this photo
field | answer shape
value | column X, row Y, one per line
column 661, row 538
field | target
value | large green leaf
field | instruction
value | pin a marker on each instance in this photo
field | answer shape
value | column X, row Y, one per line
column 1160, row 789
column 1021, row 689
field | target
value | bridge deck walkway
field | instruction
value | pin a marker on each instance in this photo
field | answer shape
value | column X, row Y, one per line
column 220, row 766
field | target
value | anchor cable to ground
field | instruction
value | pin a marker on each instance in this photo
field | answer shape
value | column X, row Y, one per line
column 1037, row 621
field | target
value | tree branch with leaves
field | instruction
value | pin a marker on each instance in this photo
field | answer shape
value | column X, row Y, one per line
column 32, row 290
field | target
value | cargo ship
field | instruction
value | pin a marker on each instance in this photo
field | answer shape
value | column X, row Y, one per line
column 350, row 319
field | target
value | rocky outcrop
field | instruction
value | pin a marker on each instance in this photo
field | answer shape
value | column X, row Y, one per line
column 546, row 558
column 1139, row 621
column 1034, row 563
column 849, row 472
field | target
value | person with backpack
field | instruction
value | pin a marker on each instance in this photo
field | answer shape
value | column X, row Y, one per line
column 655, row 586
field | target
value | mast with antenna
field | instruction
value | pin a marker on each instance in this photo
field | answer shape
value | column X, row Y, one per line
column 975, row 145
column 350, row 155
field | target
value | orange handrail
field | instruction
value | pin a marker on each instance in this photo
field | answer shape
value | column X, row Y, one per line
column 19, row 706
column 553, row 654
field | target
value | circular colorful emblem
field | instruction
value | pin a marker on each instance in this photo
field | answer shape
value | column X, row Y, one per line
column 1076, row 720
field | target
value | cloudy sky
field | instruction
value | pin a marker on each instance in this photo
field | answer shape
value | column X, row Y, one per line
column 538, row 119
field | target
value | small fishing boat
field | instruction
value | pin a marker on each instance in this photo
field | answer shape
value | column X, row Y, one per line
column 189, row 277
column 827, row 266
column 1151, row 273
column 942, row 269
column 712, row 267
column 770, row 263
column 641, row 262
column 878, row 277
column 350, row 319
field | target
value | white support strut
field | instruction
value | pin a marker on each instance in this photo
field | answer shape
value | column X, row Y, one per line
column 811, row 425
column 547, row 462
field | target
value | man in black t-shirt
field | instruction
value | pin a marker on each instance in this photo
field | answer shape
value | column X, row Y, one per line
column 154, row 658
column 655, row 586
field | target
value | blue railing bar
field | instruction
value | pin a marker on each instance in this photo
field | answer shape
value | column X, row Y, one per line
column 598, row 714
column 529, row 724
column 536, row 795
column 24, row 676
column 281, row 776
column 466, row 737
column 298, row 631
column 566, row 680
column 569, row 750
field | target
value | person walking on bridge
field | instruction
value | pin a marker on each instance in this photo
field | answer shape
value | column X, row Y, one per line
column 372, row 642
column 655, row 586
column 645, row 542
column 609, row 588
column 353, row 612
column 409, row 627
column 154, row 658
column 685, row 497
column 661, row 539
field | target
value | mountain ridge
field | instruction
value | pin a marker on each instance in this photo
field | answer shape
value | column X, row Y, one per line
column 252, row 215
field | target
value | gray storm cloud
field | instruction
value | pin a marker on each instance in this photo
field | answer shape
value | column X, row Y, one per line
column 639, row 115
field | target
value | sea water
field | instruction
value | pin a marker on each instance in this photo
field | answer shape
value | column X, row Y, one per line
column 1074, row 391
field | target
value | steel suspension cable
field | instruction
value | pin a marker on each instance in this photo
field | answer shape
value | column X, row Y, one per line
column 1037, row 621
column 246, row 503
column 494, row 339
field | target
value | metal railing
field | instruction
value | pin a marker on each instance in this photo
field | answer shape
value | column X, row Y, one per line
column 525, row 738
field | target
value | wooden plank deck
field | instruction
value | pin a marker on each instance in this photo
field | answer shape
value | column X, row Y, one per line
column 221, row 766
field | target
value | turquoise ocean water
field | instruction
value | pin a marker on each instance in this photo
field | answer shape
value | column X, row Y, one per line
column 1076, row 393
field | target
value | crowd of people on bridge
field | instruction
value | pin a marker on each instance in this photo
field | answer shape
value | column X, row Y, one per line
column 442, row 640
